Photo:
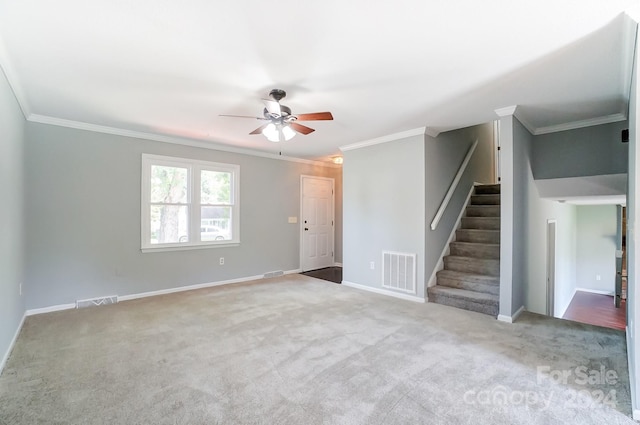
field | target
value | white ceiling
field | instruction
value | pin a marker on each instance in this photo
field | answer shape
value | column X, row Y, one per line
column 169, row 68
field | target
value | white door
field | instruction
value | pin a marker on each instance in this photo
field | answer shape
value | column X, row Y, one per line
column 316, row 223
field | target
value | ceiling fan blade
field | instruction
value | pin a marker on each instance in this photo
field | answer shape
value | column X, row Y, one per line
column 303, row 129
column 259, row 129
column 242, row 116
column 273, row 107
column 315, row 116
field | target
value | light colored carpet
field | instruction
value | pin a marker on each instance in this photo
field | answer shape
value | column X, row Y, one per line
column 297, row 350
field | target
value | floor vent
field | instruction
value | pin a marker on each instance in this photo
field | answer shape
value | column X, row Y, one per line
column 273, row 274
column 399, row 271
column 95, row 302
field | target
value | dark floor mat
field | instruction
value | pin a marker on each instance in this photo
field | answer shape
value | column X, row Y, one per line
column 332, row 274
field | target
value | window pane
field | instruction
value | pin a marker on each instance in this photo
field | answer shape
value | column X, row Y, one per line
column 215, row 224
column 169, row 224
column 215, row 187
column 168, row 184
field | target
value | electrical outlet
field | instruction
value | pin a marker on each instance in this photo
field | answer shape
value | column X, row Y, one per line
column 372, row 265
column 598, row 277
column 222, row 261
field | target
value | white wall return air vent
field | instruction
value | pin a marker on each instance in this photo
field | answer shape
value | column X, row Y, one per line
column 399, row 271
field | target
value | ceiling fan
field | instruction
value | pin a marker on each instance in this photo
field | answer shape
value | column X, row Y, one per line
column 282, row 123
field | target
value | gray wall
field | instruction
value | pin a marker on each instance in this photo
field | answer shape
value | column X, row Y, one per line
column 596, row 247
column 524, row 230
column 83, row 215
column 443, row 157
column 383, row 208
column 589, row 151
column 11, row 213
column 533, row 239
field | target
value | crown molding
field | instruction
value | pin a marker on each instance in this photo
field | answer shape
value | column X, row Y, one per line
column 506, row 111
column 420, row 131
column 430, row 131
column 78, row 125
column 607, row 119
column 12, row 79
column 532, row 129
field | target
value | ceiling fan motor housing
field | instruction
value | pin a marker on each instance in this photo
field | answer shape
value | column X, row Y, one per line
column 284, row 110
column 277, row 94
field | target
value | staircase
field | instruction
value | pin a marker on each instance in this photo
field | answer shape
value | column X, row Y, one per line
column 471, row 275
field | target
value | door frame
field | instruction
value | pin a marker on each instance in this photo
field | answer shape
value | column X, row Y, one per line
column 551, row 264
column 301, row 218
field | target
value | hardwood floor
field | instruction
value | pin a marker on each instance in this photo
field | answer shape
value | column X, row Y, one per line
column 596, row 309
column 332, row 274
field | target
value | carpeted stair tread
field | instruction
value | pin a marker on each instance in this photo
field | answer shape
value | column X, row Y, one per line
column 487, row 189
column 483, row 211
column 488, row 266
column 474, row 277
column 478, row 235
column 469, row 281
column 467, row 300
column 475, row 249
column 481, row 223
column 479, row 297
column 493, row 199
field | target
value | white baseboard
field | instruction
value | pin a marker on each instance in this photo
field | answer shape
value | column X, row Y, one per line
column 512, row 318
column 12, row 343
column 594, row 291
column 381, row 291
column 50, row 309
column 159, row 292
column 452, row 237
column 196, row 286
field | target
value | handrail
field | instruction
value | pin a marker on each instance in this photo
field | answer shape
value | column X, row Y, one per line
column 453, row 186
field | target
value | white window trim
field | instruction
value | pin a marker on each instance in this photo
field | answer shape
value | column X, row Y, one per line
column 194, row 167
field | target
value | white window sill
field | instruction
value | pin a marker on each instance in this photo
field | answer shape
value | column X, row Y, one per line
column 189, row 247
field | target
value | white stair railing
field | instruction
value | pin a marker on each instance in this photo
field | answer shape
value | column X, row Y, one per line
column 453, row 186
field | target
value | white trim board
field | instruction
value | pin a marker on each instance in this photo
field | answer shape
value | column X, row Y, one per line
column 593, row 291
column 420, row 131
column 12, row 343
column 381, row 291
column 512, row 318
column 173, row 290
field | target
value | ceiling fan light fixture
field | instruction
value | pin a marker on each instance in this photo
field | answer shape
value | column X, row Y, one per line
column 278, row 133
column 271, row 133
column 287, row 132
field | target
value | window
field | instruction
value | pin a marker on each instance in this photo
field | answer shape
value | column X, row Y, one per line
column 188, row 203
